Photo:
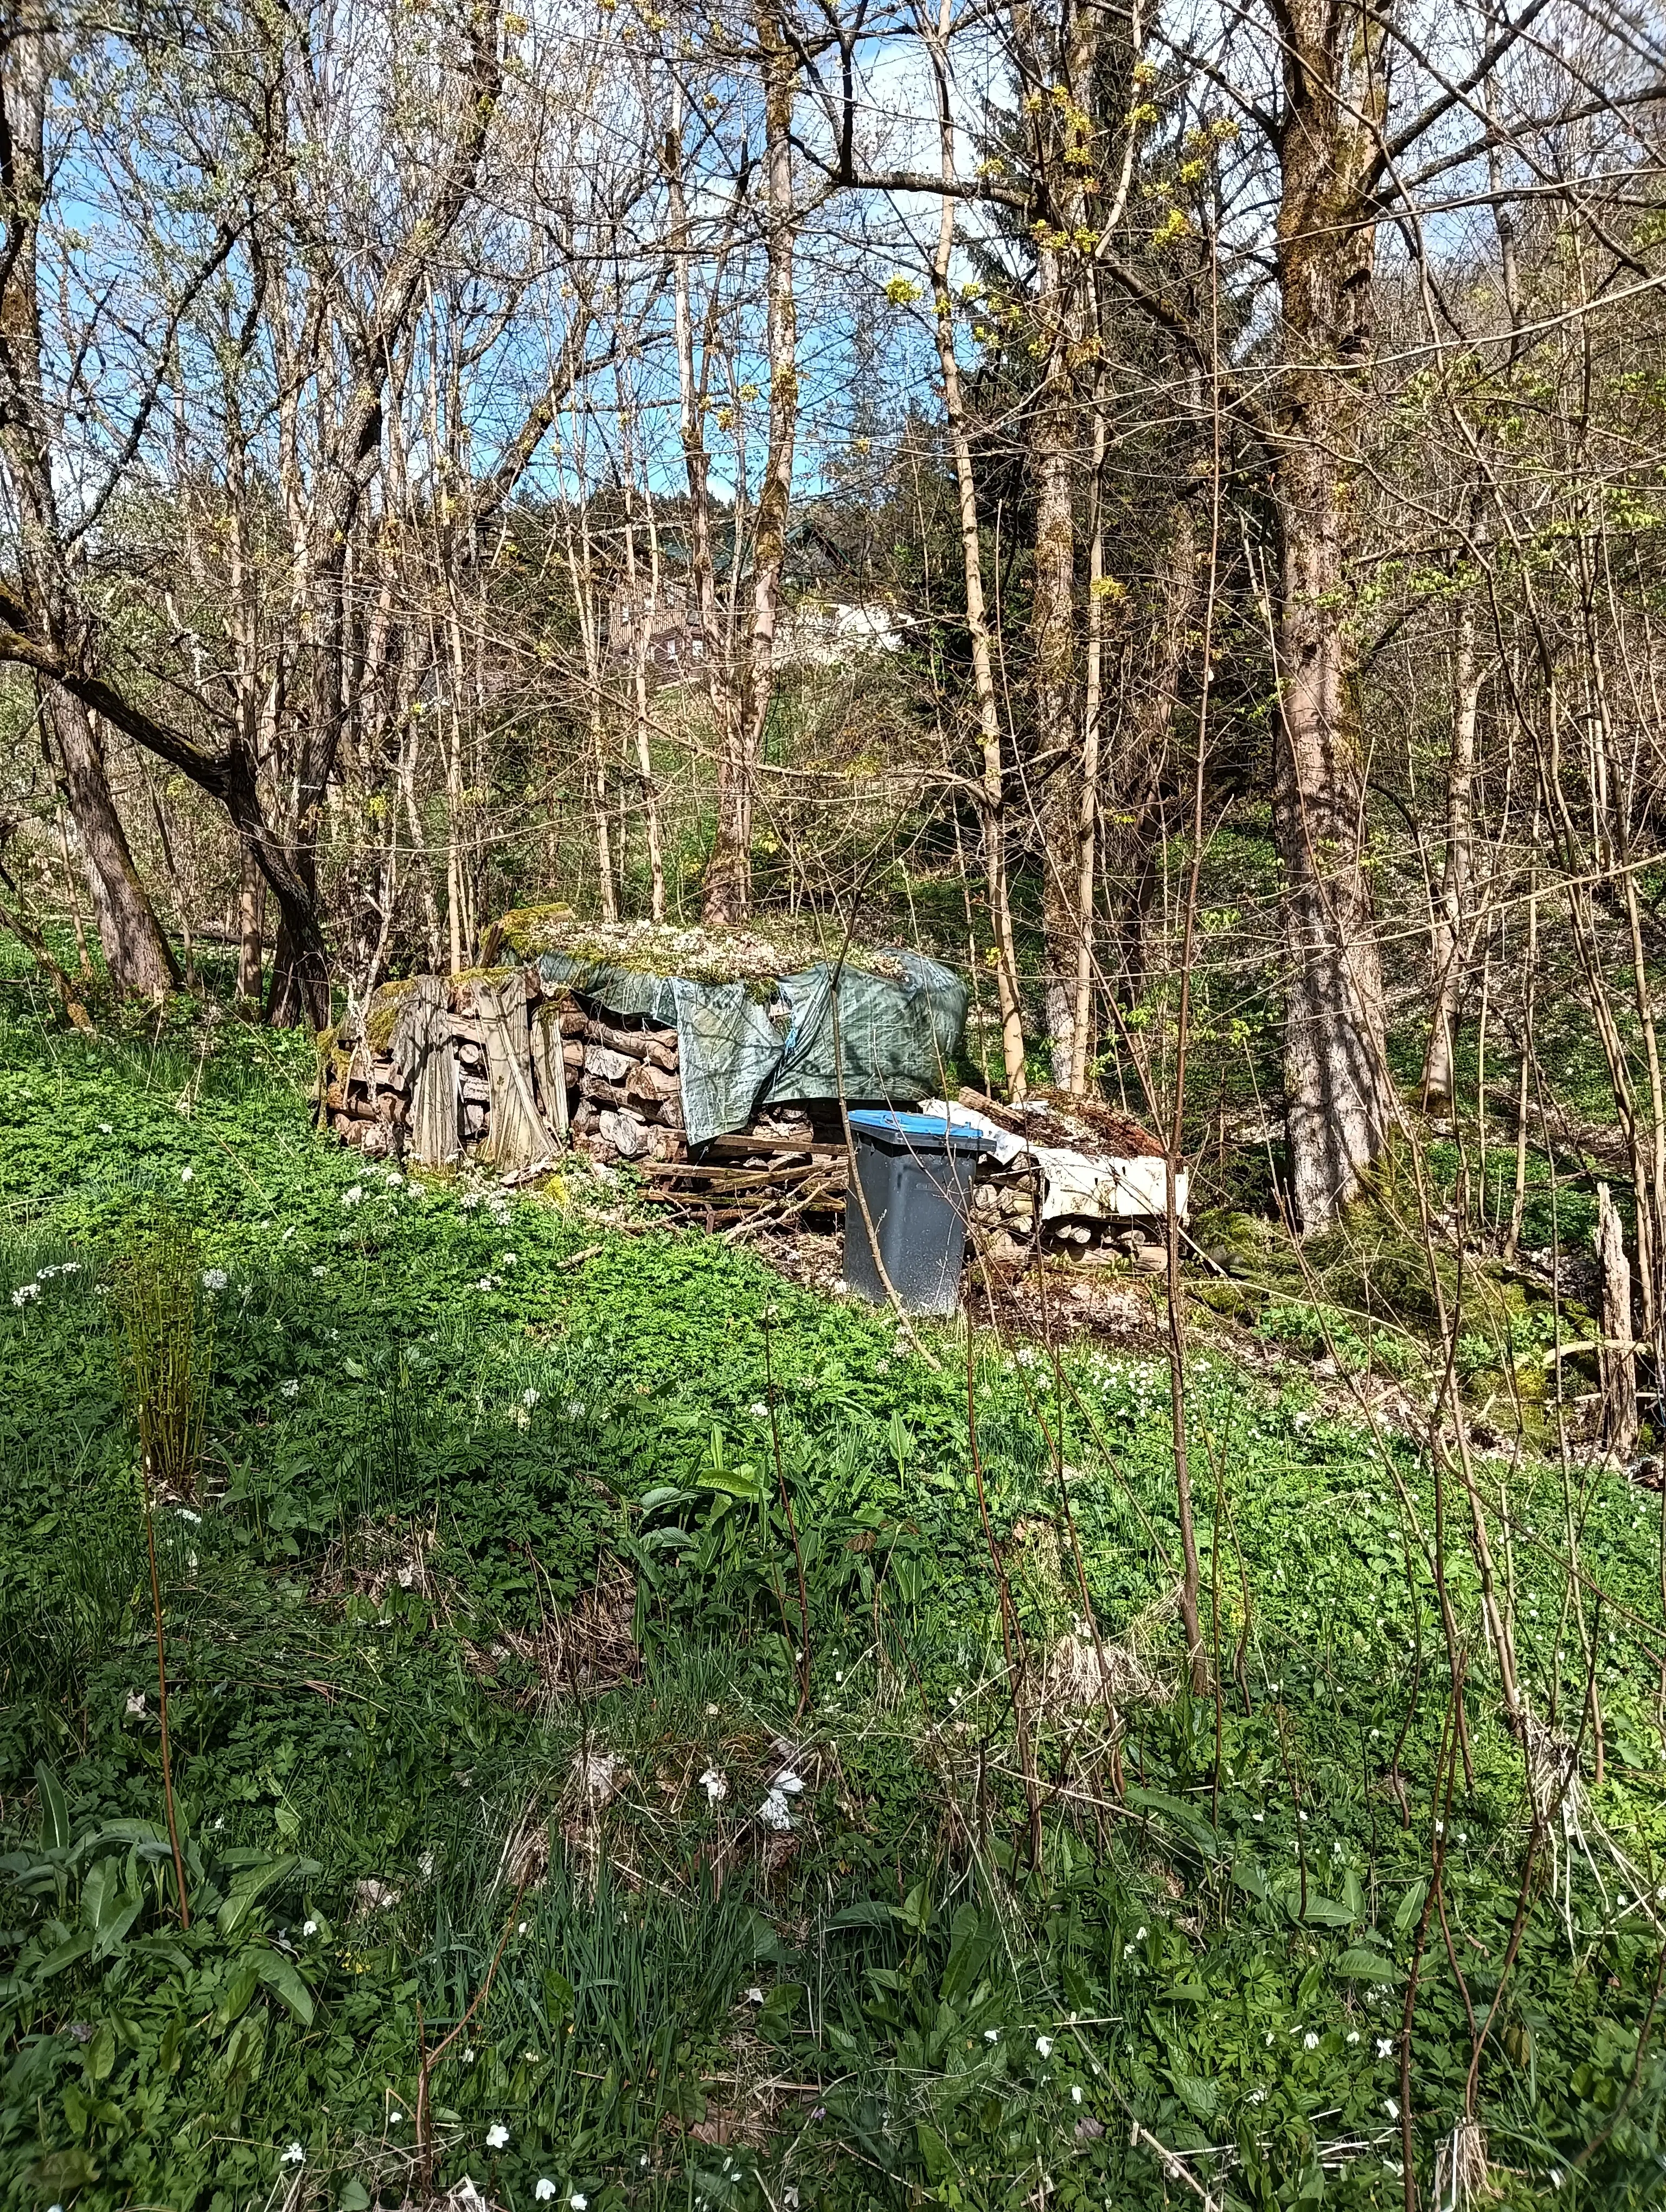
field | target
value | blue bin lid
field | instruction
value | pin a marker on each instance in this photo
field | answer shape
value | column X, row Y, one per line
column 918, row 1130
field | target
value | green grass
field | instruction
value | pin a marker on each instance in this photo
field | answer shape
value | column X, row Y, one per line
column 438, row 1417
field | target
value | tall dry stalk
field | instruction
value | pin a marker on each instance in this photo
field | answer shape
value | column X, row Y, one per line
column 168, row 1346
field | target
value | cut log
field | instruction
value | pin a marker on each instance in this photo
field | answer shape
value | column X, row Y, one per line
column 654, row 1084
column 657, row 1046
column 627, row 1133
column 603, row 1093
column 601, row 1060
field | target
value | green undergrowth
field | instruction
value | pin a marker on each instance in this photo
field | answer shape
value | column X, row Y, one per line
column 508, row 1696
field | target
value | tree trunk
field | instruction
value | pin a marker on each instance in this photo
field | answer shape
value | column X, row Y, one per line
column 992, row 781
column 1053, row 644
column 1058, row 80
column 1617, row 1361
column 135, row 949
column 1337, row 1096
column 251, row 928
column 728, row 888
column 1087, row 813
column 138, row 955
column 1452, row 913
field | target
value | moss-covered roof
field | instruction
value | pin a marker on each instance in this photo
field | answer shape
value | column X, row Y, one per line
column 702, row 953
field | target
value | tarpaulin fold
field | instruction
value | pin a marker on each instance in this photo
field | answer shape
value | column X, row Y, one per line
column 743, row 1048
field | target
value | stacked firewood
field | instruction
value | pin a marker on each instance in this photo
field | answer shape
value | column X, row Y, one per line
column 630, row 1093
column 489, row 1067
column 486, row 1065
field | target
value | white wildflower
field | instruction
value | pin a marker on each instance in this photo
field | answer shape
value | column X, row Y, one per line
column 288, row 1388
column 1044, row 2045
column 992, row 2035
column 28, row 1290
column 135, row 1705
column 186, row 1514
column 578, row 2200
column 497, row 2136
column 215, row 1278
column 319, row 1273
column 576, row 1409
column 1354, row 2035
column 529, row 1398
column 1310, row 2041
column 184, row 1174
column 759, row 1411
column 353, row 1193
column 545, row 2190
column 109, row 1131
column 309, row 1928
column 294, row 2156
column 714, row 1785
column 1385, row 2046
column 506, row 1260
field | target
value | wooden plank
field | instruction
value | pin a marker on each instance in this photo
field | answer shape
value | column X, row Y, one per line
column 549, row 1071
column 516, row 1134
column 421, row 1049
column 746, row 1148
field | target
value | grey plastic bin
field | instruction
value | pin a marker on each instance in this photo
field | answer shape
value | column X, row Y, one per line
column 916, row 1171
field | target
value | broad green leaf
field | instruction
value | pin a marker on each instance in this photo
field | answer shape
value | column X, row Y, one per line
column 249, row 1883
column 867, row 1912
column 1361, row 1964
column 970, row 1943
column 1409, row 1906
column 1327, row 1912
column 745, row 1483
column 239, row 1991
column 281, row 1978
column 54, row 1813
column 64, row 1954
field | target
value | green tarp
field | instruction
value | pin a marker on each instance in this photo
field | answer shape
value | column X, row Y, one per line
column 743, row 1047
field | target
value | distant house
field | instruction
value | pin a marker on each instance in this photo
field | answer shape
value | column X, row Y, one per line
column 824, row 621
column 662, row 614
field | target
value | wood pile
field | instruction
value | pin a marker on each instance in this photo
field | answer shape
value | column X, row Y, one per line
column 493, row 1068
column 487, row 1067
